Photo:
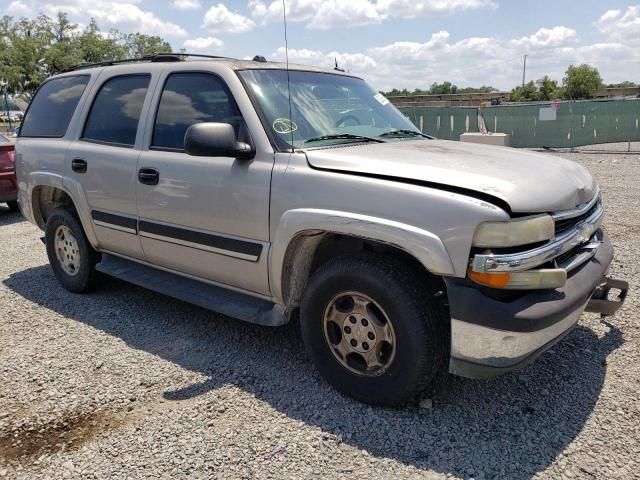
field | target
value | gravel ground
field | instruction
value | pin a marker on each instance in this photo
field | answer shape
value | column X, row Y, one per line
column 125, row 383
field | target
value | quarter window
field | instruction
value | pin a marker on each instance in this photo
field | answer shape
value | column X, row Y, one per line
column 115, row 112
column 190, row 98
column 52, row 108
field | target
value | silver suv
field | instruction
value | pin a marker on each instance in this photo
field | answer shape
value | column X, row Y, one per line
column 259, row 192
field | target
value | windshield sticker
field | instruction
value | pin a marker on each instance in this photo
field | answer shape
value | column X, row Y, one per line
column 381, row 98
column 284, row 125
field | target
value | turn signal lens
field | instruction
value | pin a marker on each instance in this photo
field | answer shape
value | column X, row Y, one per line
column 531, row 280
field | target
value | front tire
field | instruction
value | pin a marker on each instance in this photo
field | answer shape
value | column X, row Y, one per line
column 373, row 328
column 71, row 256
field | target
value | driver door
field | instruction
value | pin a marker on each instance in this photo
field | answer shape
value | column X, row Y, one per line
column 206, row 217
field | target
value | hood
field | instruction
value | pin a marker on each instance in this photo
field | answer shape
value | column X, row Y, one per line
column 528, row 182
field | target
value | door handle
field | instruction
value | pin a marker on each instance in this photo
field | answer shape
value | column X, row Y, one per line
column 148, row 176
column 79, row 165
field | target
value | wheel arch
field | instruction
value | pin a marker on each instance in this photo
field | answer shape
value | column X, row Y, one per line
column 307, row 237
column 49, row 192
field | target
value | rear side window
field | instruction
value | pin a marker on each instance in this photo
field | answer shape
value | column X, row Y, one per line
column 190, row 98
column 115, row 112
column 52, row 108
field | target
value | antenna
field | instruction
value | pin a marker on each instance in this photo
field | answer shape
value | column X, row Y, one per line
column 286, row 51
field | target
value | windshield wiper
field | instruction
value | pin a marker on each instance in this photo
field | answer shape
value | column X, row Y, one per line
column 344, row 136
column 404, row 133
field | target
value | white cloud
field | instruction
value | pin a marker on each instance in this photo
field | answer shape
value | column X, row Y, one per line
column 353, row 62
column 549, row 37
column 417, row 8
column 219, row 19
column 17, row 8
column 340, row 13
column 203, row 43
column 621, row 25
column 187, row 4
column 475, row 61
column 121, row 14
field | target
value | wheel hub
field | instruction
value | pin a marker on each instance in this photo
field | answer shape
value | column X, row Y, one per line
column 67, row 250
column 359, row 334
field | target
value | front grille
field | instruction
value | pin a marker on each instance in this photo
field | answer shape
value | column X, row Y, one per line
column 567, row 224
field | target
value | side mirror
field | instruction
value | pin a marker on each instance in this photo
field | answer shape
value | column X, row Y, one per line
column 210, row 139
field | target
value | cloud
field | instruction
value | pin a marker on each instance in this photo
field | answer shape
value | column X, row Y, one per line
column 201, row 43
column 548, row 37
column 358, row 62
column 339, row 13
column 187, row 4
column 123, row 15
column 475, row 61
column 17, row 8
column 619, row 25
column 219, row 19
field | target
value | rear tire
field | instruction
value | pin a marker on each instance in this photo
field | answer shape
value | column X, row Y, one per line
column 13, row 206
column 71, row 256
column 374, row 329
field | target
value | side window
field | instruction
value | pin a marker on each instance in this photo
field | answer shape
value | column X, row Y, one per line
column 189, row 98
column 115, row 112
column 52, row 108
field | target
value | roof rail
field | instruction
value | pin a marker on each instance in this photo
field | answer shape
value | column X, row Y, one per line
column 155, row 57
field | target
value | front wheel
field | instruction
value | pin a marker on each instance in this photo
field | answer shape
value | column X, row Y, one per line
column 71, row 256
column 373, row 328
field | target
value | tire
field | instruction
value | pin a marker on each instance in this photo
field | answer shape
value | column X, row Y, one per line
column 391, row 292
column 13, row 206
column 78, row 274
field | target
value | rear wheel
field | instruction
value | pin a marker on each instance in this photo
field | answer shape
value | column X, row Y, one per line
column 71, row 256
column 13, row 206
column 373, row 328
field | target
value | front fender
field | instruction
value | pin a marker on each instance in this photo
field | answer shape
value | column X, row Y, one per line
column 426, row 247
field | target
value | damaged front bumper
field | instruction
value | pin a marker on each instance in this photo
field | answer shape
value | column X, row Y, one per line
column 491, row 335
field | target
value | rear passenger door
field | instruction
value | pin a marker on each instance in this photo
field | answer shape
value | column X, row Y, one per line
column 104, row 160
column 203, row 216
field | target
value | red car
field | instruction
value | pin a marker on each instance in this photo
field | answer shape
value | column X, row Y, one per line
column 8, row 182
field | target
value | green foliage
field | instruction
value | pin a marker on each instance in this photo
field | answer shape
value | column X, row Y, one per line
column 581, row 82
column 31, row 50
column 542, row 90
column 443, row 88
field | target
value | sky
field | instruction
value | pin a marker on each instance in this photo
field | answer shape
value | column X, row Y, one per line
column 391, row 43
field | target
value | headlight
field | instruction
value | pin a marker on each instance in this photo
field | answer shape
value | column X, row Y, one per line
column 521, row 231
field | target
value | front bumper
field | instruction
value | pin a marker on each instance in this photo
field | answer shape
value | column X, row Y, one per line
column 490, row 336
column 8, row 187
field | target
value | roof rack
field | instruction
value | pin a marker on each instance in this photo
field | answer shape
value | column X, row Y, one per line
column 155, row 57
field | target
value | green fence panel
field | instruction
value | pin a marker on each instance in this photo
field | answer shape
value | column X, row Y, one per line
column 564, row 125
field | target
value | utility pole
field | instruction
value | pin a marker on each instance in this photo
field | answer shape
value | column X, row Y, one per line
column 524, row 70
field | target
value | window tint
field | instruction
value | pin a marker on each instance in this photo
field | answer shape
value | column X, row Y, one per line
column 52, row 108
column 190, row 98
column 116, row 110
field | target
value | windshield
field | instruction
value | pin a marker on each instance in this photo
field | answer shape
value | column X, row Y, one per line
column 326, row 109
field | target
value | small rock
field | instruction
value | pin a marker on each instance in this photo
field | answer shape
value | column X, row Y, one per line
column 426, row 403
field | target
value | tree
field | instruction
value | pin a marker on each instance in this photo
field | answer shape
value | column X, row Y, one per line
column 526, row 93
column 443, row 88
column 581, row 82
column 138, row 45
column 548, row 89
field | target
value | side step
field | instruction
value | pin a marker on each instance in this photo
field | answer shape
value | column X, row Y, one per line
column 230, row 303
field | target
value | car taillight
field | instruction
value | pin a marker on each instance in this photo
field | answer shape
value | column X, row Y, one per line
column 12, row 157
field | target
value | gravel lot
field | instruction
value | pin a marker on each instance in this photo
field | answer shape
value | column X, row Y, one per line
column 125, row 383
